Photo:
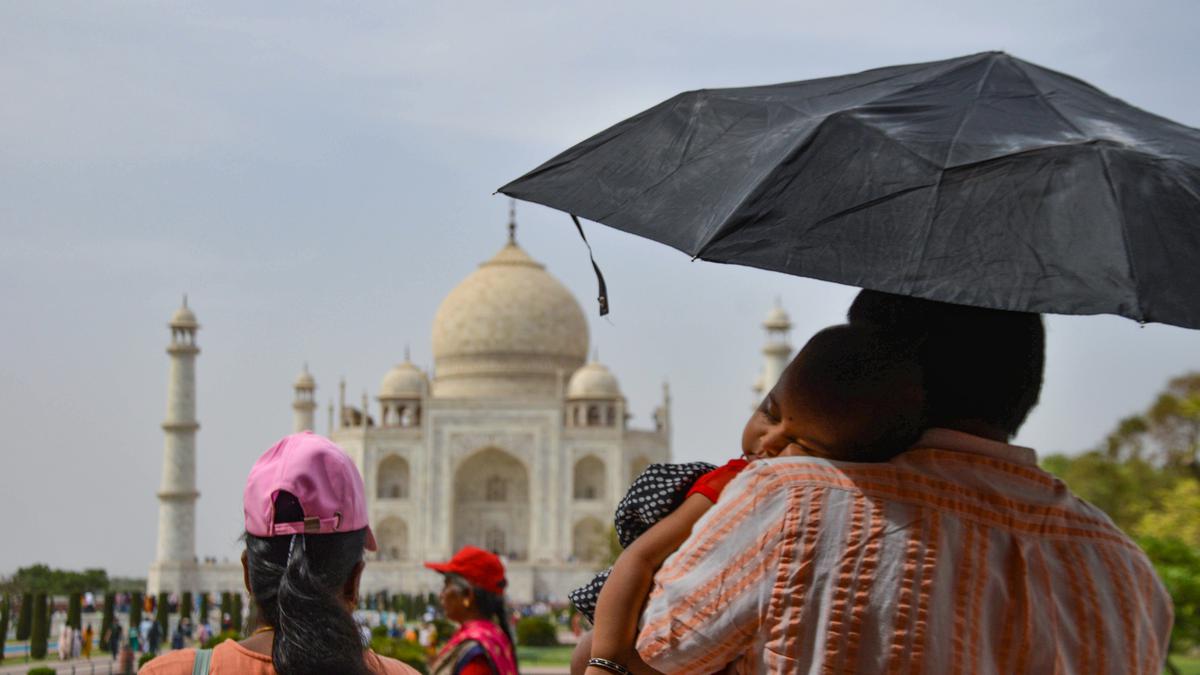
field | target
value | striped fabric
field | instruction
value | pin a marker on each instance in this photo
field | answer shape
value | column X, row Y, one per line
column 960, row 556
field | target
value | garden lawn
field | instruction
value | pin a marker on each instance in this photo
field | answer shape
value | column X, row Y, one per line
column 545, row 656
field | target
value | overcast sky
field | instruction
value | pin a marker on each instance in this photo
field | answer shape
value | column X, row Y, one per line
column 317, row 176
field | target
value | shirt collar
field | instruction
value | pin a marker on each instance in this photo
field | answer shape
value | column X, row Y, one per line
column 958, row 441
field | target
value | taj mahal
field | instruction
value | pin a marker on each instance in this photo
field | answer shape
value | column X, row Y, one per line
column 515, row 442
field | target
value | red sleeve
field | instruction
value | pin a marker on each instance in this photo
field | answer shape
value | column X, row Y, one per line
column 476, row 666
column 712, row 483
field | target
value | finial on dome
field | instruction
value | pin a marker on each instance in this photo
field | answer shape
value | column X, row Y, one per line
column 407, row 355
column 185, row 300
column 512, row 222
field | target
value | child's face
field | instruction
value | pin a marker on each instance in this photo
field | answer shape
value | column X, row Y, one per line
column 783, row 425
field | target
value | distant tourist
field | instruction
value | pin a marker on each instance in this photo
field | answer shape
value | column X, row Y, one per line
column 64, row 642
column 473, row 597
column 88, row 636
column 114, row 640
column 153, row 637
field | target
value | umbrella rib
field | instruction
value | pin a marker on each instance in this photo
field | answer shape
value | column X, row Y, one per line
column 1141, row 315
column 721, row 231
column 937, row 188
column 1045, row 99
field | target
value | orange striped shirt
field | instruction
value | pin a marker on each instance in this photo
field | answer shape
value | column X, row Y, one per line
column 958, row 556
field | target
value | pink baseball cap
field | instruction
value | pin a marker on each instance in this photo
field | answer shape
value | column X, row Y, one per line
column 320, row 475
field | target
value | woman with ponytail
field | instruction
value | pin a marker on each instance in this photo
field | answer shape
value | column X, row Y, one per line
column 473, row 597
column 306, row 529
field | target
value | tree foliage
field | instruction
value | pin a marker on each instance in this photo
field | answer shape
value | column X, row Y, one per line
column 40, row 634
column 106, row 620
column 5, row 611
column 163, row 613
column 1178, row 565
column 75, row 611
column 40, row 578
column 1168, row 432
column 1146, row 477
column 135, row 610
column 25, row 616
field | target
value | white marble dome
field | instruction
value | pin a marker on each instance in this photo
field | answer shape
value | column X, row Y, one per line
column 305, row 380
column 404, row 380
column 777, row 319
column 184, row 318
column 508, row 329
column 593, row 381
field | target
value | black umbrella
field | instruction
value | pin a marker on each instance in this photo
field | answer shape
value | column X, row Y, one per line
column 983, row 180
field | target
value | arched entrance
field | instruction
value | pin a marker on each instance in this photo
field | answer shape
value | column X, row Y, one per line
column 392, row 536
column 589, row 540
column 392, row 481
column 589, row 478
column 491, row 504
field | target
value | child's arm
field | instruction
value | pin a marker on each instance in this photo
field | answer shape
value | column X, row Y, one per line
column 624, row 593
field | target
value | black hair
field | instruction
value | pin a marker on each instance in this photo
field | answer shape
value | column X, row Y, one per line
column 491, row 605
column 297, row 582
column 865, row 386
column 980, row 364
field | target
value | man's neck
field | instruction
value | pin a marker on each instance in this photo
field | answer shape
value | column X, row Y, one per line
column 976, row 428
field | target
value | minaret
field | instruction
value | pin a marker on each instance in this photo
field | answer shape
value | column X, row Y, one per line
column 777, row 352
column 305, row 403
column 174, row 563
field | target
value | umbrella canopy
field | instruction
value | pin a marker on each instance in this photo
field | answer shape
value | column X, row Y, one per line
column 983, row 180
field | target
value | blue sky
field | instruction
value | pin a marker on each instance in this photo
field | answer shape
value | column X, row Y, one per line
column 317, row 176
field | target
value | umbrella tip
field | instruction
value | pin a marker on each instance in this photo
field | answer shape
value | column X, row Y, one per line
column 512, row 221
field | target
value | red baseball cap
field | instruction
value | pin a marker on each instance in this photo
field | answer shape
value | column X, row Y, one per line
column 323, row 479
column 479, row 567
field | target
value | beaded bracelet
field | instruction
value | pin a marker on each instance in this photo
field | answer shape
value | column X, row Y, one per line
column 610, row 666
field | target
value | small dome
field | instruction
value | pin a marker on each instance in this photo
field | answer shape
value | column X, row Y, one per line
column 184, row 318
column 593, row 381
column 777, row 319
column 507, row 330
column 405, row 380
column 305, row 380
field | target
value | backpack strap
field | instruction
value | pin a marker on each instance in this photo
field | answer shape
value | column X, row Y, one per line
column 203, row 659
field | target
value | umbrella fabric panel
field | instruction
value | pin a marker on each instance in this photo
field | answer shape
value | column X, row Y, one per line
column 1163, row 241
column 1022, row 233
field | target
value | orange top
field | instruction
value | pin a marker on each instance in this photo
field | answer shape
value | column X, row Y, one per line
column 231, row 658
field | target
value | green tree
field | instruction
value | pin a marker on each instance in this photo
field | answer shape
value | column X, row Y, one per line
column 106, row 620
column 41, row 627
column 1178, row 565
column 204, row 608
column 5, row 610
column 135, row 609
column 185, row 605
column 163, row 613
column 226, row 605
column 25, row 616
column 1178, row 516
column 1169, row 430
column 75, row 611
column 1125, row 489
